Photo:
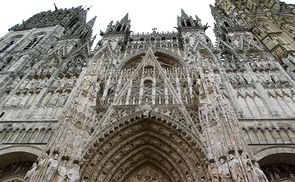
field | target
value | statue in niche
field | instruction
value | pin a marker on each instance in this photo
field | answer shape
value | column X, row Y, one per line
column 51, row 168
column 224, row 171
column 18, row 100
column 41, row 160
column 42, row 83
column 46, row 99
column 23, row 99
column 62, row 100
column 54, row 99
column 235, row 168
column 248, row 166
column 86, row 84
column 189, row 39
column 213, row 172
column 62, row 172
column 110, row 27
column 55, row 84
column 259, row 173
column 23, row 84
column 31, row 174
column 34, row 84
column 74, row 174
column 11, row 101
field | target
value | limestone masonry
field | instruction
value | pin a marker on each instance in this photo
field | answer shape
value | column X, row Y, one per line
column 150, row 107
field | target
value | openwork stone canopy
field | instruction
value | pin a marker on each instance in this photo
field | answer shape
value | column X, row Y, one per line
column 150, row 107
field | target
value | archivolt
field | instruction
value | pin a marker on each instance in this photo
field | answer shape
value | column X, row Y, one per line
column 145, row 142
column 158, row 51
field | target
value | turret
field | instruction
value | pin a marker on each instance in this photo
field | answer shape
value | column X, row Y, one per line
column 122, row 26
column 185, row 21
column 191, row 31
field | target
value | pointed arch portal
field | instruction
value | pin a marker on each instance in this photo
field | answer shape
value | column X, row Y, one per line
column 144, row 150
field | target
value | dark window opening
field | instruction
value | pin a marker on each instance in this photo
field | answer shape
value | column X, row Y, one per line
column 2, row 114
column 7, row 46
column 119, row 28
column 31, row 44
column 188, row 23
column 226, row 24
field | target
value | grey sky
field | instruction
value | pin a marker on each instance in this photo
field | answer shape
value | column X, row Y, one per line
column 144, row 15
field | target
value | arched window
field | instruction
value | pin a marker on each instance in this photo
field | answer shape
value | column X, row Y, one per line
column 5, row 63
column 9, row 44
column 148, row 85
column 35, row 40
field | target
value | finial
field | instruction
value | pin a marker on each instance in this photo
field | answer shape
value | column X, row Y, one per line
column 55, row 7
column 125, row 18
column 183, row 13
column 154, row 30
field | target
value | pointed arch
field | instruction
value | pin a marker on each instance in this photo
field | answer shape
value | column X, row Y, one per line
column 140, row 141
column 256, row 52
column 159, row 52
column 201, row 46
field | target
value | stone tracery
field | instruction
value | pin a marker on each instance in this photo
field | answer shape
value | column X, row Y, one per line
column 159, row 106
column 140, row 143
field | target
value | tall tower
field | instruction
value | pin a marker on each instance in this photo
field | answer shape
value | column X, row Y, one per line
column 41, row 60
column 257, row 85
column 272, row 23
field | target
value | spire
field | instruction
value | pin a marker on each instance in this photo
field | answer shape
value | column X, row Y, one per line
column 91, row 22
column 185, row 21
column 122, row 26
column 183, row 14
column 55, row 7
column 125, row 19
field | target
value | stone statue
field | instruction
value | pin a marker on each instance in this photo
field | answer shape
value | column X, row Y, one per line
column 248, row 166
column 86, row 84
column 61, row 172
column 189, row 38
column 42, row 160
column 31, row 174
column 213, row 172
column 51, row 168
column 63, row 98
column 224, row 171
column 110, row 26
column 259, row 173
column 235, row 168
column 74, row 173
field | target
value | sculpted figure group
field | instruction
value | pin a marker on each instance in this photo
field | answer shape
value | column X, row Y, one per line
column 54, row 170
column 235, row 170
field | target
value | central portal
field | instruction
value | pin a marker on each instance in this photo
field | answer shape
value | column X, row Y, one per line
column 146, row 150
column 148, row 174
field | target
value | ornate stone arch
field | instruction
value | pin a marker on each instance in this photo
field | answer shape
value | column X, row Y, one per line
column 200, row 46
column 16, row 161
column 261, row 53
column 145, row 140
column 76, row 62
column 274, row 150
column 278, row 163
column 158, row 51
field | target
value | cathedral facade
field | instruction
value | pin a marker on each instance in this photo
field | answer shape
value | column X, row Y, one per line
column 150, row 107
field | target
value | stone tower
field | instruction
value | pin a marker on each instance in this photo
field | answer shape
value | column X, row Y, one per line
column 158, row 106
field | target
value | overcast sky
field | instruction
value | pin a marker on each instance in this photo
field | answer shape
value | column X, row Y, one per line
column 144, row 15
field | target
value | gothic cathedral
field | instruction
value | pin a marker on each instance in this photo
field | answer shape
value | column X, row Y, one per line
column 150, row 107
